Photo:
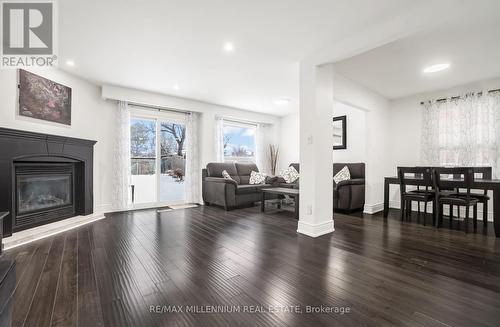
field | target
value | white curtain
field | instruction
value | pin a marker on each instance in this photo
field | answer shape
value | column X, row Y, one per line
column 219, row 139
column 193, row 173
column 261, row 158
column 121, row 159
column 464, row 131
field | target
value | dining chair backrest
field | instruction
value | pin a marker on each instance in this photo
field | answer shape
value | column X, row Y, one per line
column 422, row 174
column 463, row 178
column 485, row 172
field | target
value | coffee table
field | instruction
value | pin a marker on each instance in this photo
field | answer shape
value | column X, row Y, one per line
column 281, row 191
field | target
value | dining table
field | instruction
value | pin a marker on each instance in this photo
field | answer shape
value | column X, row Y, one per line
column 452, row 183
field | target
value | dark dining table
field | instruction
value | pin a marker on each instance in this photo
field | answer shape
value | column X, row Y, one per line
column 478, row 184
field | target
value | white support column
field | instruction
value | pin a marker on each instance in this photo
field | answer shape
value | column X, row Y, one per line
column 316, row 141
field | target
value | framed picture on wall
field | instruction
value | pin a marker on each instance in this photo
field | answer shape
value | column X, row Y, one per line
column 340, row 132
column 43, row 99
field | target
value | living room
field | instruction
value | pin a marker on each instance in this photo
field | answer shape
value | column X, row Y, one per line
column 202, row 163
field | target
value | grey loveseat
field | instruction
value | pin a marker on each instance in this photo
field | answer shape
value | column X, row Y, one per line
column 230, row 193
column 347, row 195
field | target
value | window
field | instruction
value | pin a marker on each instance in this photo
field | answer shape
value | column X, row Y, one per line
column 173, row 148
column 239, row 142
column 143, row 146
column 462, row 131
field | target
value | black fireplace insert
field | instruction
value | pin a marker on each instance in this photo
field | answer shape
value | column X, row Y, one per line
column 43, row 192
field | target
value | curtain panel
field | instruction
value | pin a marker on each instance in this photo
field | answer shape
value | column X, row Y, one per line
column 464, row 131
column 121, row 159
column 193, row 172
column 261, row 156
column 219, row 139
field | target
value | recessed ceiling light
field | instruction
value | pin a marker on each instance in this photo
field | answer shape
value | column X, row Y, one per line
column 228, row 47
column 282, row 101
column 70, row 63
column 436, row 68
column 176, row 86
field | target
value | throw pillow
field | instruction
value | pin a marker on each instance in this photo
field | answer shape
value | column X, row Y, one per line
column 257, row 178
column 290, row 175
column 226, row 175
column 343, row 175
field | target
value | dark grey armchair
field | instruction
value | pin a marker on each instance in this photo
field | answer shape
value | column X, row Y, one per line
column 350, row 195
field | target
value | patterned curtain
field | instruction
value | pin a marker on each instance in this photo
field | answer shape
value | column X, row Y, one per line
column 464, row 131
column 121, row 159
column 193, row 172
column 219, row 139
column 261, row 155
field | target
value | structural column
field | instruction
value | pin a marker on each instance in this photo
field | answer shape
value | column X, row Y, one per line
column 316, row 141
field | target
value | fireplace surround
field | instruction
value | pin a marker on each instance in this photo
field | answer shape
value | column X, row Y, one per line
column 43, row 178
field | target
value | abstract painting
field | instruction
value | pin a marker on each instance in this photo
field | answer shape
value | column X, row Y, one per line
column 44, row 99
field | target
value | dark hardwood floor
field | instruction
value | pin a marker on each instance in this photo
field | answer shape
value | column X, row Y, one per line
column 385, row 272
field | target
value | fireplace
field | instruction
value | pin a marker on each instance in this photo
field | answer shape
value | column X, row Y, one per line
column 44, row 178
column 44, row 192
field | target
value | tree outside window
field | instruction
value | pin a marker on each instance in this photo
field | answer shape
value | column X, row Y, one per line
column 239, row 142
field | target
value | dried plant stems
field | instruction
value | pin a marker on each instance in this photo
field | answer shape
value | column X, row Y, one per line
column 273, row 157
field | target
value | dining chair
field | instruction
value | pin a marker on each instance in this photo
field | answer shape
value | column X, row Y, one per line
column 423, row 175
column 464, row 177
column 483, row 198
column 431, row 189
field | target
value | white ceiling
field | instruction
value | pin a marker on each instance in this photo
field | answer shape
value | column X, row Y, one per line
column 471, row 46
column 152, row 45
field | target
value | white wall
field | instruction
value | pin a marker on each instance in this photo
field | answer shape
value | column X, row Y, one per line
column 405, row 125
column 356, row 136
column 356, row 133
column 289, row 141
column 92, row 118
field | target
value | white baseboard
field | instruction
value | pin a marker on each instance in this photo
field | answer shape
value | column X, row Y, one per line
column 315, row 230
column 373, row 208
column 104, row 208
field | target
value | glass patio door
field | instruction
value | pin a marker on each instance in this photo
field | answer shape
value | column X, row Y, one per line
column 143, row 160
column 158, row 159
column 173, row 162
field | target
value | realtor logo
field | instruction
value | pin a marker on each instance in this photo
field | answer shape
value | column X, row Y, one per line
column 28, row 30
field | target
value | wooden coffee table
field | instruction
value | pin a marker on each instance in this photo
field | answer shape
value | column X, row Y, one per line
column 281, row 191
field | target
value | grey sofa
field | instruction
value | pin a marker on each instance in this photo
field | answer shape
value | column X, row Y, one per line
column 347, row 195
column 230, row 193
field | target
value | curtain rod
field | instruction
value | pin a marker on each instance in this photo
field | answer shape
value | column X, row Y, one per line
column 185, row 112
column 459, row 96
column 241, row 121
column 145, row 106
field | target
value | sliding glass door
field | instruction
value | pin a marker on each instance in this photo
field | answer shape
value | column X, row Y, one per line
column 173, row 161
column 158, row 158
column 143, row 159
